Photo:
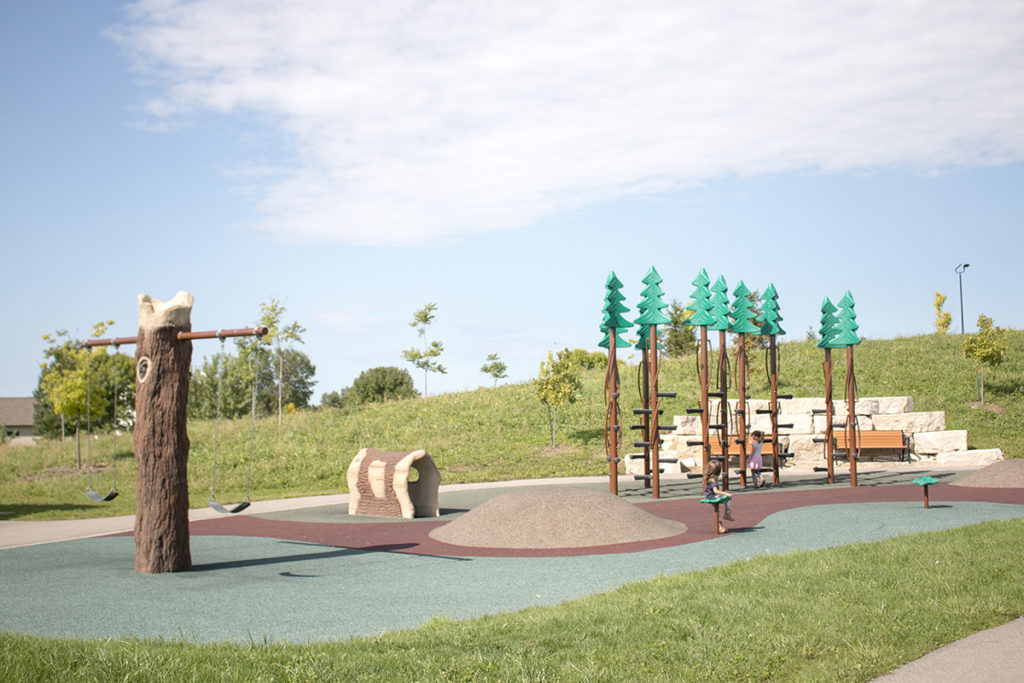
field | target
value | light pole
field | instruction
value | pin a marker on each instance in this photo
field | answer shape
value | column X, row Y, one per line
column 959, row 270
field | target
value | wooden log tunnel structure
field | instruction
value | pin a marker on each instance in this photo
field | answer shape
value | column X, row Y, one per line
column 163, row 355
column 380, row 484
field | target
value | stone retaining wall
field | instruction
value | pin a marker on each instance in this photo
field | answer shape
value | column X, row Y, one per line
column 928, row 436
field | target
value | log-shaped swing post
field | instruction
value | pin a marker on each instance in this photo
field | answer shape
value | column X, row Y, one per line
column 160, row 436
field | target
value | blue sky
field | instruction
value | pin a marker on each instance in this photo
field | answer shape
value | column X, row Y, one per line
column 500, row 159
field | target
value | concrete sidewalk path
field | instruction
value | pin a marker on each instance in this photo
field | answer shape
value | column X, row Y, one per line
column 995, row 655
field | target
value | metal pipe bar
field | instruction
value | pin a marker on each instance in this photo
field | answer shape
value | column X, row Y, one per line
column 183, row 336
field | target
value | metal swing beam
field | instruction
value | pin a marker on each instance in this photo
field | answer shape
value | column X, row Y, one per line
column 186, row 336
column 182, row 336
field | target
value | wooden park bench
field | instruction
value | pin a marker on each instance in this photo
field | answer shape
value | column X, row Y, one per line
column 876, row 439
column 735, row 449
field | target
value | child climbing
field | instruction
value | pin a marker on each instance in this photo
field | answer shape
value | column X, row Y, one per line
column 756, row 440
column 711, row 490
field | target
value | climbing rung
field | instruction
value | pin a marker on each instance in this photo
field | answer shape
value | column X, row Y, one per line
column 642, row 411
column 785, row 426
column 716, row 426
column 784, row 396
column 666, row 428
column 636, row 426
column 839, row 425
column 716, row 394
column 818, row 411
column 694, row 411
column 763, row 411
column 818, row 439
column 666, row 394
column 694, row 443
column 694, row 475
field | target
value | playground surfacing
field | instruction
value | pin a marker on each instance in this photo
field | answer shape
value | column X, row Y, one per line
column 316, row 574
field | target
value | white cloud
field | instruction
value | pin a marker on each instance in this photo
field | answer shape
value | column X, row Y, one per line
column 414, row 121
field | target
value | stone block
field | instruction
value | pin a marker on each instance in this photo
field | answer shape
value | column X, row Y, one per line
column 978, row 457
column 895, row 404
column 912, row 422
column 755, row 404
column 802, row 446
column 675, row 444
column 931, row 443
column 802, row 423
column 690, row 464
column 866, row 406
column 800, row 405
column 687, row 424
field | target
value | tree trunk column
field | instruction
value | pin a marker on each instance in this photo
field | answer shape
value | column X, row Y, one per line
column 160, row 436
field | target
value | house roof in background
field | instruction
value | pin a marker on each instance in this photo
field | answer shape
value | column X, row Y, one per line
column 16, row 412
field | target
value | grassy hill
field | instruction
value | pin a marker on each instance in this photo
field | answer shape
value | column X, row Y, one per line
column 502, row 433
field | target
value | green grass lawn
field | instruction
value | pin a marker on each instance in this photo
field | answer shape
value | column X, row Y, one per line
column 846, row 613
column 502, row 433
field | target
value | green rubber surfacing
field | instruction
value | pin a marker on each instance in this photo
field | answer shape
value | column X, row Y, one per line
column 261, row 589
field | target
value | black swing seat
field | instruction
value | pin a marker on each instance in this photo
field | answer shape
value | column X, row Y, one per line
column 100, row 498
column 230, row 510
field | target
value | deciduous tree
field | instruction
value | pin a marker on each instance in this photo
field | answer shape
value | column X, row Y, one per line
column 557, row 384
column 424, row 360
column 494, row 367
column 280, row 337
column 383, row 383
column 680, row 338
column 988, row 347
column 942, row 319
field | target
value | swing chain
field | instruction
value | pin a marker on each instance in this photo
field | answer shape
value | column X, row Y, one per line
column 216, row 423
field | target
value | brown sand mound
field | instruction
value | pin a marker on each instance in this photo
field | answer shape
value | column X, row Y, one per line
column 555, row 517
column 1006, row 474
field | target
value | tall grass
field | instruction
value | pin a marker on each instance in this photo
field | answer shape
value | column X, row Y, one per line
column 494, row 434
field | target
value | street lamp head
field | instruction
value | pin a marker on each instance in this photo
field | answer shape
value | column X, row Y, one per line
column 962, row 267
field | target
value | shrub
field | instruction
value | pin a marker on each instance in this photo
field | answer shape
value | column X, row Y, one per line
column 381, row 384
